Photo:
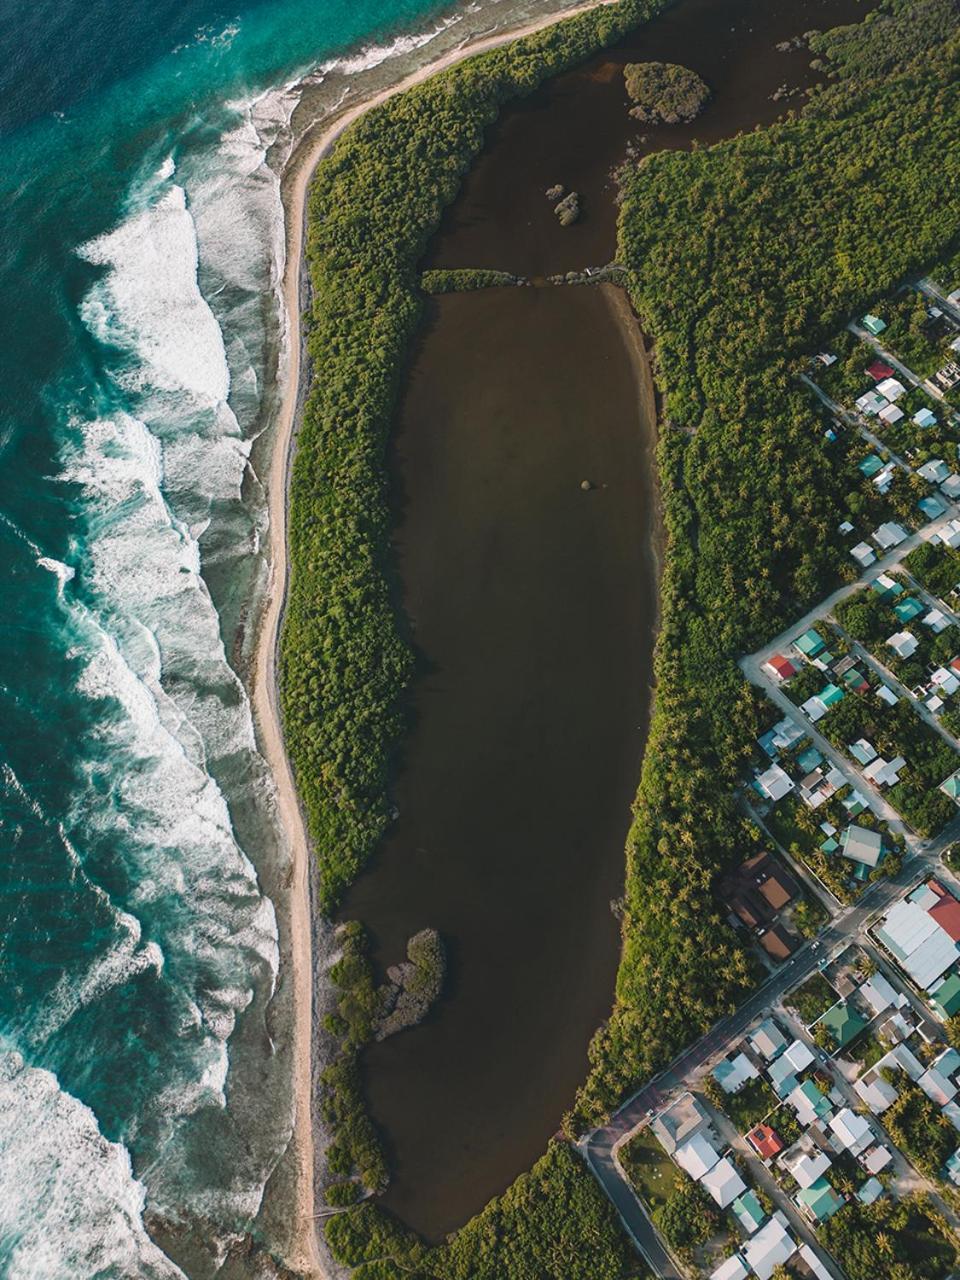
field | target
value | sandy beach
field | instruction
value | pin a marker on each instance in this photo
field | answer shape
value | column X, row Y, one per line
column 316, row 142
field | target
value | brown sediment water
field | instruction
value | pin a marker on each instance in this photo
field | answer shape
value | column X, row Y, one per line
column 532, row 604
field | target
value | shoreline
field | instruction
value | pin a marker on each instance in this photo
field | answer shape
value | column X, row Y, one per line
column 316, row 142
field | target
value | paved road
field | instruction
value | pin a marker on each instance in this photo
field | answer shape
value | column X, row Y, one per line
column 887, row 676
column 598, row 1147
column 855, row 422
column 889, row 358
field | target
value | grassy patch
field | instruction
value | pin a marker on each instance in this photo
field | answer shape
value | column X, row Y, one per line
column 649, row 1168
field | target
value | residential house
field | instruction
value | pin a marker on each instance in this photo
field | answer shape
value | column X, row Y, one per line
column 937, row 1087
column 775, row 783
column 872, row 463
column 887, row 695
column 877, row 1158
column 809, row 1103
column 765, row 1141
column 851, row 1132
column 780, row 668
column 770, row 1247
column 901, row 1057
column 843, row 1023
column 871, row 402
column 732, row 1073
column 871, row 1190
column 819, row 1201
column 891, row 389
column 806, row 1162
column 697, row 1156
column 879, row 994
column 875, row 1091
column 952, row 1168
column 932, row 507
column 924, row 418
column 678, row 1122
column 810, row 643
column 949, row 535
column 862, row 751
column 951, row 787
column 889, row 535
column 909, row 608
column 884, row 773
column 734, row 1268
column 945, row 998
column 749, row 1212
column 945, row 681
column 890, row 414
column 860, row 844
column 879, row 370
column 903, row 644
column 934, row 472
column 767, row 1040
column 951, row 487
column 922, row 931
column 864, row 554
column 723, row 1182
column 873, row 324
column 936, row 620
column 815, row 1267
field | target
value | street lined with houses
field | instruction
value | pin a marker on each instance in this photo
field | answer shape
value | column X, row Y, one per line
column 845, row 935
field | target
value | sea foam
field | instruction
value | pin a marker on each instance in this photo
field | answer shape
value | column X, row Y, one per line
column 71, row 1205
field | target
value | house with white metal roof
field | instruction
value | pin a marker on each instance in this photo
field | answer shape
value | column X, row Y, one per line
column 697, row 1156
column 851, row 1131
column 723, row 1182
column 770, row 1247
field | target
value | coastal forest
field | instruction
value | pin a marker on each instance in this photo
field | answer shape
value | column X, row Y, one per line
column 739, row 259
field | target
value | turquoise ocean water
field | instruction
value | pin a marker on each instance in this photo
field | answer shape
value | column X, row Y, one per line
column 141, row 1070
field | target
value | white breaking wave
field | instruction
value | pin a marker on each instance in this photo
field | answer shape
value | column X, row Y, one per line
column 150, row 303
column 161, row 482
column 374, row 55
column 70, row 1205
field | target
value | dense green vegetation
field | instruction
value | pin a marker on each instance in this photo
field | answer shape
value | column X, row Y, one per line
column 373, row 204
column 742, row 259
column 936, row 568
column 688, row 1217
column 664, row 92
column 920, row 1129
column 553, row 1223
column 456, row 280
column 900, row 1240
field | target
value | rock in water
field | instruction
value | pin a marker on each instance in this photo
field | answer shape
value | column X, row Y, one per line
column 555, row 193
column 568, row 209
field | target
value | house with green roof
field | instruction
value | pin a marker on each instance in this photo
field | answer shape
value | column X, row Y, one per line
column 749, row 1212
column 871, row 465
column 946, row 998
column 819, row 1201
column 830, row 695
column 843, row 1023
column 907, row 610
column 810, row 643
column 873, row 324
column 951, row 787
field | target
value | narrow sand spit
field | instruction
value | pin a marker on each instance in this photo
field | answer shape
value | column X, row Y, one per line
column 316, row 142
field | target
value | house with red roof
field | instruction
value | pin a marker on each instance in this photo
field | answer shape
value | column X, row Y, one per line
column 878, row 371
column 946, row 912
column 765, row 1141
column 780, row 667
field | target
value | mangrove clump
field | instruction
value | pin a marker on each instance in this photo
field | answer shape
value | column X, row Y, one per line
column 664, row 93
